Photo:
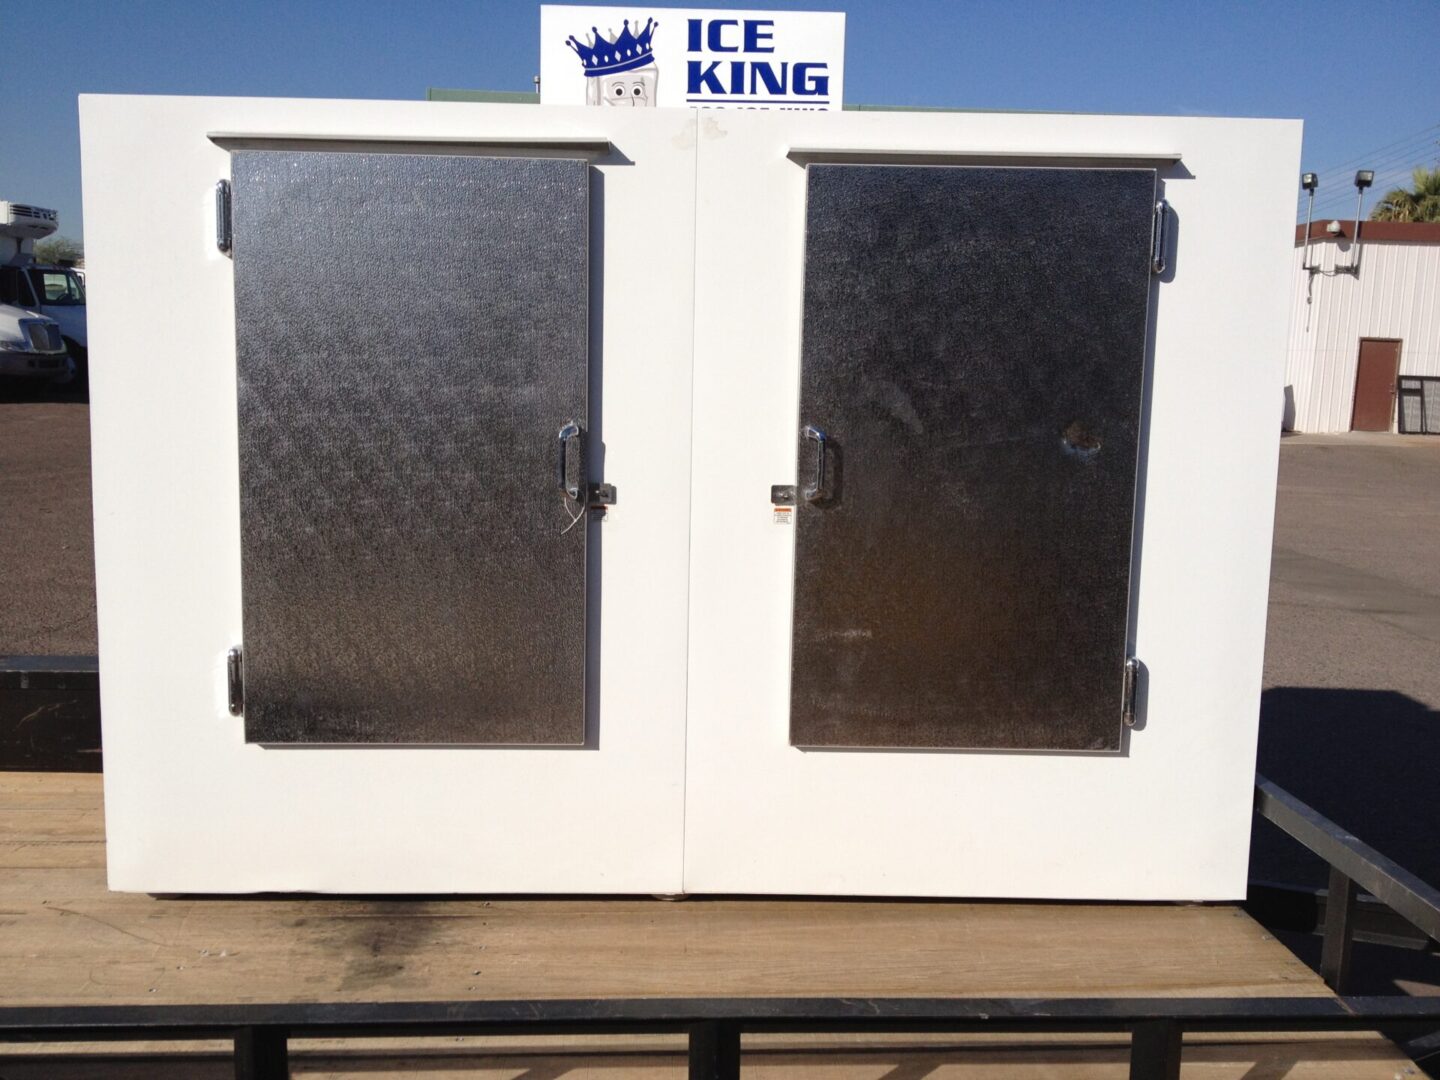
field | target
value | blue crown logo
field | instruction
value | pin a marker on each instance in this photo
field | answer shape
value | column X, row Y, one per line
column 627, row 52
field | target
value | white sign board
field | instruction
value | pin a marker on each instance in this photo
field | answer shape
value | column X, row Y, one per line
column 691, row 58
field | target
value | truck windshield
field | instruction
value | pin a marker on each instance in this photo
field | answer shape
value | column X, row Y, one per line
column 59, row 287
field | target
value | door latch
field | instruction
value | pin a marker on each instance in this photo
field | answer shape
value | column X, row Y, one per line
column 596, row 494
column 815, row 490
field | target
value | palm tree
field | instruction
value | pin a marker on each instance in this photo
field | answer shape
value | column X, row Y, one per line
column 1421, row 204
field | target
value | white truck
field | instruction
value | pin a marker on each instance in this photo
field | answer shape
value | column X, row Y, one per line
column 42, row 307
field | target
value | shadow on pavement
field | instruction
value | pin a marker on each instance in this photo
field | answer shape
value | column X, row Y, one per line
column 15, row 391
column 1367, row 760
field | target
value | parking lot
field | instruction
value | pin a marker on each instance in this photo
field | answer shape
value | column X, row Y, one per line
column 1350, row 718
column 1351, row 709
column 47, row 574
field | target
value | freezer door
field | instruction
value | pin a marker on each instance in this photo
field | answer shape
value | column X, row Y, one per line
column 411, row 336
column 970, row 403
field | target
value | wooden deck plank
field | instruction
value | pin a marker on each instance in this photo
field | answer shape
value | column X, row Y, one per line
column 100, row 946
column 51, row 820
column 64, row 939
column 52, row 854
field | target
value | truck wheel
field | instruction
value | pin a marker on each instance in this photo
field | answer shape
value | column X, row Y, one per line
column 81, row 355
column 67, row 379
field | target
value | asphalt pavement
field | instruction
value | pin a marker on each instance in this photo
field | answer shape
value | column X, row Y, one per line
column 47, row 550
column 1350, row 716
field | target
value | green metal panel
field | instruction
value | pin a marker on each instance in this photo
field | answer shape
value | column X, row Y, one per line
column 493, row 97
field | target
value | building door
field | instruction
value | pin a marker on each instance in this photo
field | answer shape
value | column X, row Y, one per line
column 970, row 393
column 412, row 351
column 1375, row 376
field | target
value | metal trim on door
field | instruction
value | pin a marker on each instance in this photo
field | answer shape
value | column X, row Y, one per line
column 972, row 369
column 412, row 331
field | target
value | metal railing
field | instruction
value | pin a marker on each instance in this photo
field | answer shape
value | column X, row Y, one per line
column 1354, row 865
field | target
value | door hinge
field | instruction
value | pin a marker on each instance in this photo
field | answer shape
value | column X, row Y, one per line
column 235, row 673
column 600, row 494
column 1159, row 234
column 1131, row 684
column 223, row 235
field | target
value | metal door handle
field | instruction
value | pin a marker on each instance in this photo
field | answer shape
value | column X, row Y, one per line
column 570, row 431
column 816, row 491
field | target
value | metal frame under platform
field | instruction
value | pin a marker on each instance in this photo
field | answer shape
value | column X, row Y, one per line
column 714, row 1026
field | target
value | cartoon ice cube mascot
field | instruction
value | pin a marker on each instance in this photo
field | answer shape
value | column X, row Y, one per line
column 621, row 72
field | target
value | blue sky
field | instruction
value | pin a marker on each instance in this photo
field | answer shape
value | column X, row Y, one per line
column 1362, row 75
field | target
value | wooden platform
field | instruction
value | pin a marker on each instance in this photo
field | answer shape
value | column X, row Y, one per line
column 64, row 939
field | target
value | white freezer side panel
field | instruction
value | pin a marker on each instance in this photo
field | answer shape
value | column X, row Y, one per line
column 1170, row 817
column 189, row 806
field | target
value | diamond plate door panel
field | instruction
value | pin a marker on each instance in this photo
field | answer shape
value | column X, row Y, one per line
column 411, row 336
column 971, row 386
